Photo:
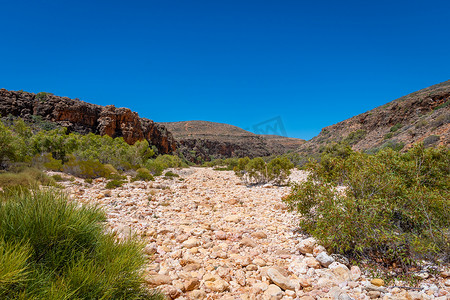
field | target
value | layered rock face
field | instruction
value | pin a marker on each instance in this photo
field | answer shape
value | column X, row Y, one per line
column 82, row 117
column 202, row 140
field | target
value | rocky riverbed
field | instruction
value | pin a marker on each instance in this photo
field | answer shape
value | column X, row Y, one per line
column 211, row 237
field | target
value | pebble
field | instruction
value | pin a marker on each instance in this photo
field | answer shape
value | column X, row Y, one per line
column 277, row 278
column 273, row 292
column 307, row 245
column 158, row 279
column 248, row 242
column 324, row 259
column 377, row 282
column 259, row 235
column 340, row 270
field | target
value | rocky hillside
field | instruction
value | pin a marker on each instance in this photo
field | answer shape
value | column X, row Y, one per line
column 202, row 140
column 82, row 117
column 423, row 116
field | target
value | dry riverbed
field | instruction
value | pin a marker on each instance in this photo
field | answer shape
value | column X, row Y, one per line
column 211, row 237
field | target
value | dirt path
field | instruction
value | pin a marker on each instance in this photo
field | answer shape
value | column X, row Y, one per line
column 211, row 237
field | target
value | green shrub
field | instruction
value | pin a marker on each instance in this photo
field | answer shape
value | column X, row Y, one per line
column 143, row 174
column 441, row 120
column 355, row 136
column 58, row 178
column 159, row 164
column 388, row 135
column 421, row 123
column 431, row 140
column 445, row 104
column 8, row 149
column 112, row 184
column 52, row 164
column 396, row 127
column 171, row 174
column 43, row 96
column 155, row 167
column 279, row 169
column 256, row 170
column 86, row 169
column 394, row 206
column 55, row 249
column 239, row 169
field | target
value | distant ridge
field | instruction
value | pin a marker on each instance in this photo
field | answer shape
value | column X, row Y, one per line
column 203, row 140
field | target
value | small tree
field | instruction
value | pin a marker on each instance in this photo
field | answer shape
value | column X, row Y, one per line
column 279, row 170
column 257, row 170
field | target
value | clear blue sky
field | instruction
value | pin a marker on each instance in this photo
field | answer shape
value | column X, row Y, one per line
column 313, row 63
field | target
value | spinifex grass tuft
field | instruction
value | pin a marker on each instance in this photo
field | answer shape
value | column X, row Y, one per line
column 55, row 249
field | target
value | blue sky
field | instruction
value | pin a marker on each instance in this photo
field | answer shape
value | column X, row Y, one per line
column 311, row 63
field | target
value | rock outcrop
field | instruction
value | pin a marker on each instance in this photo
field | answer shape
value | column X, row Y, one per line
column 82, row 117
column 422, row 116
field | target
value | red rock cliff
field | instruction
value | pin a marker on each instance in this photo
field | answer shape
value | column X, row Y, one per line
column 84, row 117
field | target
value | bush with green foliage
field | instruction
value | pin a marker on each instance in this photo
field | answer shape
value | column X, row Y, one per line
column 86, row 168
column 279, row 169
column 51, row 248
column 443, row 105
column 355, row 136
column 257, row 171
column 43, row 96
column 112, row 184
column 143, row 174
column 388, row 135
column 239, row 169
column 387, row 206
column 431, row 140
column 396, row 127
column 171, row 175
column 159, row 164
column 219, row 164
column 8, row 148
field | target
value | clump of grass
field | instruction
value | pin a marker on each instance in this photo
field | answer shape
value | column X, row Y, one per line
column 26, row 177
column 52, row 248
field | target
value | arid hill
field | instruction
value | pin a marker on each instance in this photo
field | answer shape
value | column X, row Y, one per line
column 82, row 117
column 202, row 140
column 422, row 116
